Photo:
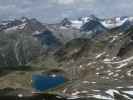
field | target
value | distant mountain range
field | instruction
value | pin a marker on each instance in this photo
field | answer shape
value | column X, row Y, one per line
column 29, row 38
column 108, row 23
column 74, row 28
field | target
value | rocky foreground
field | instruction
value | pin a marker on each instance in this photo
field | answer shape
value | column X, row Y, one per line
column 114, row 95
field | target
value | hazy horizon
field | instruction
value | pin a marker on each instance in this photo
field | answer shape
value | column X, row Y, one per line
column 50, row 11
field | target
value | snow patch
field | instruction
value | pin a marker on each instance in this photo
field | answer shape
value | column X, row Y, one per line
column 120, row 34
column 20, row 95
column 128, row 92
column 4, row 23
column 122, row 65
column 22, row 26
column 102, row 97
column 84, row 91
column 64, row 91
column 73, row 97
column 23, row 19
column 107, row 60
column 75, row 93
column 62, row 27
column 86, row 82
column 119, row 87
column 111, row 92
column 97, row 73
column 14, row 28
column 91, row 63
column 113, row 24
column 93, row 82
column 11, row 29
column 99, row 55
column 96, row 90
column 81, row 66
column 116, row 75
column 76, row 24
column 36, row 33
column 114, row 58
column 130, row 73
column 114, row 38
column 85, row 19
column 122, row 61
column 111, row 73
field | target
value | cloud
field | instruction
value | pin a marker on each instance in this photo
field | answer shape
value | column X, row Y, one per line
column 7, row 7
column 64, row 2
column 54, row 10
column 73, row 2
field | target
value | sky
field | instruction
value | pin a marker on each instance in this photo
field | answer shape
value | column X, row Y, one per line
column 50, row 11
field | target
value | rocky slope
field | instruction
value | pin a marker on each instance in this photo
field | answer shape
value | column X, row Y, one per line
column 99, row 66
column 96, row 60
column 23, row 40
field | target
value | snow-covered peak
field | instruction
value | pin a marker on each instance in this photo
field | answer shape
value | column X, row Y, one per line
column 4, row 23
column 76, row 24
column 84, row 19
column 114, row 22
column 24, row 19
column 88, row 18
column 22, row 24
column 15, row 28
column 36, row 33
column 71, row 23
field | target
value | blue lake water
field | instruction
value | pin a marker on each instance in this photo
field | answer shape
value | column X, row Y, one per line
column 44, row 82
